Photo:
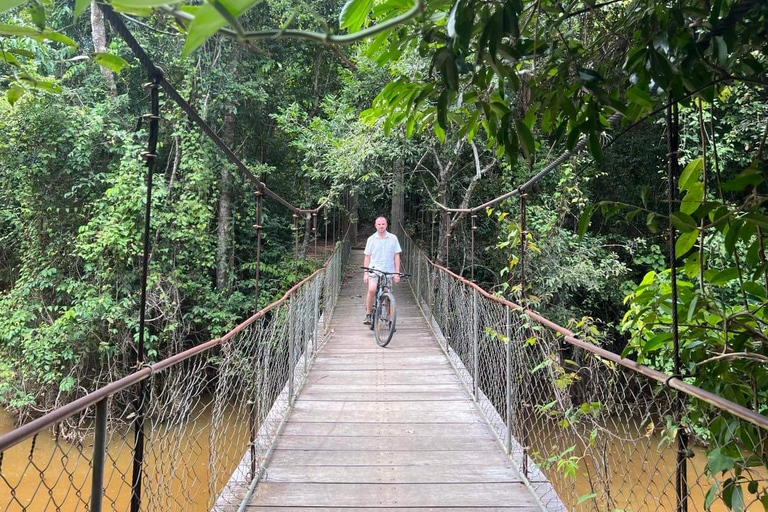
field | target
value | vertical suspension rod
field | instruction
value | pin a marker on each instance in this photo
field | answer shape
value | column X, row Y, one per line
column 473, row 218
column 523, row 302
column 141, row 393
column 258, row 227
column 673, row 146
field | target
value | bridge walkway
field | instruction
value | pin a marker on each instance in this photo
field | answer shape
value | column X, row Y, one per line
column 386, row 428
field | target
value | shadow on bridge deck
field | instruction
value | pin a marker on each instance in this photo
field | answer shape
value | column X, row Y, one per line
column 387, row 427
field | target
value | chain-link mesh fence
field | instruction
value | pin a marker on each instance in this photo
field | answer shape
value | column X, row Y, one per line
column 209, row 415
column 589, row 432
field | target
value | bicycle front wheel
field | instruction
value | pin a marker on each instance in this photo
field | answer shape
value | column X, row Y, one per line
column 385, row 320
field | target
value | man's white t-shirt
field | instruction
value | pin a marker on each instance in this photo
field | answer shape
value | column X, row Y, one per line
column 382, row 251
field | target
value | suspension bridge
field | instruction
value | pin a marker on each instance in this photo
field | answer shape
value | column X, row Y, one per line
column 477, row 404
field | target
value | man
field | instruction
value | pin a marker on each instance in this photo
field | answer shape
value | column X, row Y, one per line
column 382, row 252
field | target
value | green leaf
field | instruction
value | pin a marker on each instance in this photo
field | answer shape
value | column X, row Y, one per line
column 37, row 35
column 590, row 76
column 110, row 61
column 683, row 222
column 43, row 85
column 757, row 219
column 14, row 93
column 208, row 21
column 732, row 235
column 711, row 495
column 755, row 289
column 724, row 276
column 584, row 220
column 37, row 13
column 690, row 174
column 719, row 462
column 685, row 242
column 639, row 97
column 585, row 497
column 733, row 497
column 645, row 190
column 657, row 342
column 693, row 198
column 594, row 147
column 442, row 109
column 80, row 7
column 525, row 137
column 749, row 177
column 8, row 58
column 692, row 264
column 354, row 13
column 10, row 4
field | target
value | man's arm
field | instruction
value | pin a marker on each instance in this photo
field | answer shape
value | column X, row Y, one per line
column 397, row 267
column 366, row 263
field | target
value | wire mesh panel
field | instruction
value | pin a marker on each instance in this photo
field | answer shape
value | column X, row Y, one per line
column 209, row 415
column 588, row 433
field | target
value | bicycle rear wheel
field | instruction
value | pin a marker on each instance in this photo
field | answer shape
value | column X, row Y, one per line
column 385, row 318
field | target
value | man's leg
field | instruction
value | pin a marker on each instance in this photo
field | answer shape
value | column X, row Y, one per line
column 369, row 298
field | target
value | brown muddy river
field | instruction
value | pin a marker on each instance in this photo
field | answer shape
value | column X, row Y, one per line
column 189, row 474
column 639, row 475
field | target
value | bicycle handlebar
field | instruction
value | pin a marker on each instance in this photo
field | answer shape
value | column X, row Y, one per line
column 401, row 274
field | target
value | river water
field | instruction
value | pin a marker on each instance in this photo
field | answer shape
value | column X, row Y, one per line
column 640, row 475
column 194, row 475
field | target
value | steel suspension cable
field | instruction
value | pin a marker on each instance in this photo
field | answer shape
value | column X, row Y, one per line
column 171, row 92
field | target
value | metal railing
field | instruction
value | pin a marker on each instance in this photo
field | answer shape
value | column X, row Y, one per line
column 210, row 416
column 589, row 429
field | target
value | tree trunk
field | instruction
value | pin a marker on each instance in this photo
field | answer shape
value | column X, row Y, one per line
column 99, row 36
column 397, row 215
column 224, row 249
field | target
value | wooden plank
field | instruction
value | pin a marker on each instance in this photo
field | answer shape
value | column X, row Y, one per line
column 382, row 396
column 280, row 508
column 322, row 386
column 392, row 474
column 387, row 443
column 386, row 407
column 391, row 495
column 383, row 416
column 373, row 377
column 384, row 458
column 300, row 428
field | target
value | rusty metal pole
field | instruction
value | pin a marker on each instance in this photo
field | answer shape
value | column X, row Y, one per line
column 291, row 348
column 296, row 246
column 673, row 146
column 99, row 455
column 472, row 248
column 475, row 346
column 325, row 221
column 524, row 303
column 254, row 412
column 508, row 347
column 258, row 228
column 432, row 237
column 314, row 231
column 141, row 392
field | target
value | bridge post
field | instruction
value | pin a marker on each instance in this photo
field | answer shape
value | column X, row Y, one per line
column 316, row 313
column 291, row 349
column 418, row 277
column 508, row 334
column 99, row 455
column 475, row 344
column 305, row 328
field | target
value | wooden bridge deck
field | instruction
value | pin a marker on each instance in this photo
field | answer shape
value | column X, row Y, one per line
column 387, row 428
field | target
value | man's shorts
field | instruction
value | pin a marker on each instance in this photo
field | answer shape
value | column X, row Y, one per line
column 372, row 276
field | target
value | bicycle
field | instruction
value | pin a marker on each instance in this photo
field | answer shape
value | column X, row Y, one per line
column 384, row 307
